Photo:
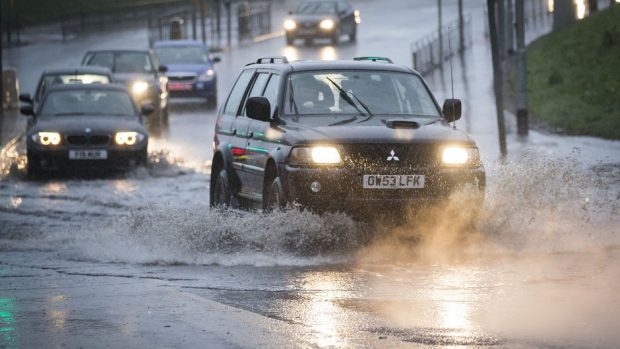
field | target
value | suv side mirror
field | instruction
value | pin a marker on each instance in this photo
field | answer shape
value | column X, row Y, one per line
column 162, row 69
column 452, row 109
column 258, row 108
column 27, row 110
column 147, row 109
column 25, row 97
column 216, row 59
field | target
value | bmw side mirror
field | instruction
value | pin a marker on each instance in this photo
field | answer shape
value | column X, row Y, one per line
column 452, row 109
column 258, row 108
column 27, row 110
column 25, row 97
column 147, row 109
column 216, row 59
column 163, row 69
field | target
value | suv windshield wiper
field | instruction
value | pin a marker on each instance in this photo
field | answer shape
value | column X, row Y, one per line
column 345, row 121
column 348, row 99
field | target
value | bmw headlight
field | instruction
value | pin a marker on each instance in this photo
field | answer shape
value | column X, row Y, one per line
column 128, row 138
column 46, row 138
column 320, row 155
column 327, row 24
column 207, row 75
column 458, row 155
column 290, row 24
column 139, row 87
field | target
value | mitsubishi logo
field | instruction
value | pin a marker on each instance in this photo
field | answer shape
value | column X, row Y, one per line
column 392, row 156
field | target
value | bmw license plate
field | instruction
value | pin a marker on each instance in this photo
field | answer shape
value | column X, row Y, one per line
column 393, row 181
column 90, row 154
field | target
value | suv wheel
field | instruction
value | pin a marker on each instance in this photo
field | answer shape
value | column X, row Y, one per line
column 222, row 195
column 275, row 199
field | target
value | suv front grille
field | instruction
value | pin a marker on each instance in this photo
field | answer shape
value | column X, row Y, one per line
column 369, row 158
column 92, row 140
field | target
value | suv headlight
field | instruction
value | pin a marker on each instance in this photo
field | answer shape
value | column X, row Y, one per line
column 319, row 155
column 207, row 75
column 138, row 88
column 290, row 24
column 460, row 155
column 46, row 138
column 327, row 24
column 128, row 138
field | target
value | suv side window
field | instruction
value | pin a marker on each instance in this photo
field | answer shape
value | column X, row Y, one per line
column 236, row 95
column 271, row 92
column 258, row 87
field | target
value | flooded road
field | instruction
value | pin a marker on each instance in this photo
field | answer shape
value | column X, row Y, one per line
column 139, row 260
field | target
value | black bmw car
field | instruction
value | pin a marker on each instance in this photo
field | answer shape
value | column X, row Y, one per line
column 350, row 136
column 96, row 126
column 322, row 19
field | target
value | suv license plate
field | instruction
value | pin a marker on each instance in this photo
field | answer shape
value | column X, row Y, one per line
column 393, row 181
column 95, row 154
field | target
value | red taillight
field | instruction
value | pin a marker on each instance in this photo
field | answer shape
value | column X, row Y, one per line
column 238, row 151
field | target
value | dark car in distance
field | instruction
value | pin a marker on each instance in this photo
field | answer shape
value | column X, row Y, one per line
column 85, row 126
column 141, row 72
column 191, row 71
column 322, row 19
column 62, row 76
column 352, row 136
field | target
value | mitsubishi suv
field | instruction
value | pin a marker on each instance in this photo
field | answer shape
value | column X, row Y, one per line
column 353, row 136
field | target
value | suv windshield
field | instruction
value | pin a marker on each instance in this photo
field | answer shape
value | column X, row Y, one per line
column 122, row 62
column 317, row 7
column 87, row 102
column 367, row 93
column 182, row 55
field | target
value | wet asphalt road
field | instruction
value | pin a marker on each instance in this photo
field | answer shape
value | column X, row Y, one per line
column 138, row 259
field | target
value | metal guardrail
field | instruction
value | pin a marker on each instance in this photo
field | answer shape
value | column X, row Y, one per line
column 223, row 23
column 426, row 54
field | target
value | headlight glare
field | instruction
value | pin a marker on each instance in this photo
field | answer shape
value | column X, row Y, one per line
column 139, row 87
column 128, row 138
column 47, row 138
column 207, row 75
column 456, row 155
column 290, row 24
column 327, row 24
column 320, row 155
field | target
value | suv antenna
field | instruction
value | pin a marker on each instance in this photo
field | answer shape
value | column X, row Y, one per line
column 451, row 75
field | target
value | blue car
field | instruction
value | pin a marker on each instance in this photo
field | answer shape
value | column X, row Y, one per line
column 191, row 71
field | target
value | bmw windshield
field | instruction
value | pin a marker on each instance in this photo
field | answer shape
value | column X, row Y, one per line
column 360, row 94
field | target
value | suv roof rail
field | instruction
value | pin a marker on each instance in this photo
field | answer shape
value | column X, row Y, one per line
column 274, row 59
column 373, row 59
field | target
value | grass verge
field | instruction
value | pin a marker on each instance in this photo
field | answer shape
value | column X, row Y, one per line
column 574, row 77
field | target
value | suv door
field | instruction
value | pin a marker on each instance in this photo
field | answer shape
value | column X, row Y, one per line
column 227, row 123
column 259, row 146
column 250, row 171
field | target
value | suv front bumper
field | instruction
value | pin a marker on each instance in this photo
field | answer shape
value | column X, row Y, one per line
column 341, row 189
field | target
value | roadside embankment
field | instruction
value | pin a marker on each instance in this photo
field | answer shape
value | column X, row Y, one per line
column 574, row 77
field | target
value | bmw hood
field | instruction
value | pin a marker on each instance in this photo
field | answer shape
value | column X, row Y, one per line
column 96, row 124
